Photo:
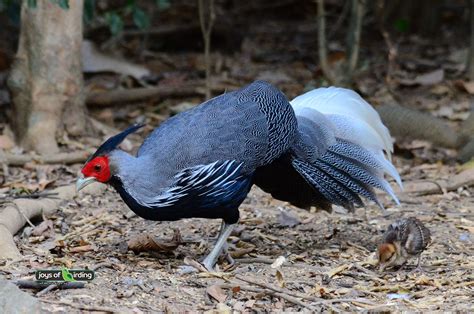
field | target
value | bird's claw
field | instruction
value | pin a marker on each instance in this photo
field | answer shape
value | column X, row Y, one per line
column 191, row 266
column 187, row 269
column 228, row 258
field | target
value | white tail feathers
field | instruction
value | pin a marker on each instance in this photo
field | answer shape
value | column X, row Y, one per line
column 355, row 119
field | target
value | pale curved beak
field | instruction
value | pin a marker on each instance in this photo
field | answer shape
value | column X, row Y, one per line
column 83, row 182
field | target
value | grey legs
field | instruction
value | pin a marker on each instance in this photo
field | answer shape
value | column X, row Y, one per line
column 224, row 233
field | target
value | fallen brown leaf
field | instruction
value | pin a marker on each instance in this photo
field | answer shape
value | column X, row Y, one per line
column 81, row 249
column 43, row 227
column 467, row 86
column 217, row 293
column 280, row 279
column 146, row 243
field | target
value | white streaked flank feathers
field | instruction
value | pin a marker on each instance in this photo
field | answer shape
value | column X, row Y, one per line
column 221, row 173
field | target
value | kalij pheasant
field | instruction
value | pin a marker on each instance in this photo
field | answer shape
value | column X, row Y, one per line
column 327, row 147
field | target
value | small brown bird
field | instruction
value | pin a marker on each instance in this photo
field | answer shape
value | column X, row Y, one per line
column 404, row 238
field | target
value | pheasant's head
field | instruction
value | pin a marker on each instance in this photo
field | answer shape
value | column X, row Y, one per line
column 98, row 167
column 387, row 255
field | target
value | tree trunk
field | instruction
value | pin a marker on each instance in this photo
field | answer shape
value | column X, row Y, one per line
column 353, row 40
column 470, row 61
column 46, row 78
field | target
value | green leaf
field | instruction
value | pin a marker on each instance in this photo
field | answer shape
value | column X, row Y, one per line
column 3, row 5
column 115, row 23
column 63, row 4
column 130, row 7
column 140, row 18
column 163, row 4
column 89, row 10
column 31, row 4
column 402, row 25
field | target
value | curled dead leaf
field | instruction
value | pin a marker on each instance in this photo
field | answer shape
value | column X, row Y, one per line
column 280, row 279
column 241, row 252
column 81, row 249
column 216, row 293
column 45, row 226
column 467, row 86
column 146, row 243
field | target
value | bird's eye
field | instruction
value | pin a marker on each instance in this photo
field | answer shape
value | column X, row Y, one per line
column 97, row 167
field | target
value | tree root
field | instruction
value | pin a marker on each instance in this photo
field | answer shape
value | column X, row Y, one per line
column 465, row 178
column 409, row 123
column 60, row 158
column 15, row 214
column 124, row 96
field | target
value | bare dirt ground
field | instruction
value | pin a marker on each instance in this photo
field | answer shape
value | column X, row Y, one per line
column 327, row 257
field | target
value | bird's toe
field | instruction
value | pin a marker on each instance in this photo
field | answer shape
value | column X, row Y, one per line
column 187, row 269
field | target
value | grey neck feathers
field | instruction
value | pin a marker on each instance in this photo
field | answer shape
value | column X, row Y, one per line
column 139, row 176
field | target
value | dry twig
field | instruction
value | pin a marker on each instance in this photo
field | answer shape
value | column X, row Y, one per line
column 91, row 308
column 32, row 284
column 282, row 295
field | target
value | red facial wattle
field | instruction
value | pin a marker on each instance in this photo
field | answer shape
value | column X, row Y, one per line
column 97, row 168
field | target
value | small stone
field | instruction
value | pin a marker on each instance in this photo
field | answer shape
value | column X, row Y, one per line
column 15, row 301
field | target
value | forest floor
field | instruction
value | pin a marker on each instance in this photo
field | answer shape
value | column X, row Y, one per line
column 287, row 259
column 327, row 257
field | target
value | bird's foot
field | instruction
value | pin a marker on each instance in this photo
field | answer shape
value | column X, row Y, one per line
column 209, row 267
column 191, row 266
column 213, row 267
column 187, row 269
column 230, row 260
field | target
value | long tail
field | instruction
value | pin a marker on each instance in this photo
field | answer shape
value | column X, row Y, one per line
column 343, row 149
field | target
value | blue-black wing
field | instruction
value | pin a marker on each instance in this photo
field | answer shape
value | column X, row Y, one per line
column 213, row 190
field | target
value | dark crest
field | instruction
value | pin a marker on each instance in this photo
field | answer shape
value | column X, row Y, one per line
column 112, row 143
